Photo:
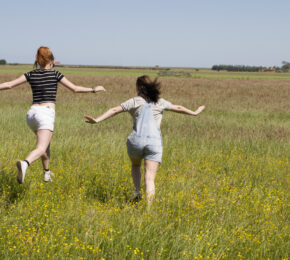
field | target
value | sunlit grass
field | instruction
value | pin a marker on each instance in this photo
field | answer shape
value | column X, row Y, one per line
column 222, row 188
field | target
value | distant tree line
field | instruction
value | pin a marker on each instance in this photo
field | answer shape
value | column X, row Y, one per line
column 237, row 68
column 284, row 68
column 3, row 62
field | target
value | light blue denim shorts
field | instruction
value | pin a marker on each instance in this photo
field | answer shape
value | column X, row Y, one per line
column 140, row 147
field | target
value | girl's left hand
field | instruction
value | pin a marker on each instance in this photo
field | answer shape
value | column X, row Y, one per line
column 200, row 109
column 99, row 88
column 90, row 119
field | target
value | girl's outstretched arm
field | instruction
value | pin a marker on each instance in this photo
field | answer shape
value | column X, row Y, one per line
column 110, row 113
column 184, row 110
column 13, row 83
column 79, row 89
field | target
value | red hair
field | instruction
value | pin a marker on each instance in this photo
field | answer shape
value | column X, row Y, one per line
column 43, row 57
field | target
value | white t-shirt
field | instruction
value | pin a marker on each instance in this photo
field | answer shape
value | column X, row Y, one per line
column 134, row 105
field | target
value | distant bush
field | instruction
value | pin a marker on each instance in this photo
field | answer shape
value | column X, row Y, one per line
column 172, row 73
column 3, row 62
column 286, row 66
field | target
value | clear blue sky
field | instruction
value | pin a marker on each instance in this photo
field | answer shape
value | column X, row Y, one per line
column 185, row 33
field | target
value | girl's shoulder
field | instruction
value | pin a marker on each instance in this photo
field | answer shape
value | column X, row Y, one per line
column 161, row 101
column 44, row 73
column 132, row 103
column 41, row 71
column 164, row 104
column 138, row 98
column 32, row 71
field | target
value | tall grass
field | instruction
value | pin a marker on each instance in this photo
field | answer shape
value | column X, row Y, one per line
column 222, row 188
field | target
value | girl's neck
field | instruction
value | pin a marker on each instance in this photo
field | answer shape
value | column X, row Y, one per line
column 46, row 67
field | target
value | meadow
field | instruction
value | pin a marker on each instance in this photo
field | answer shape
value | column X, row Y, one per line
column 222, row 190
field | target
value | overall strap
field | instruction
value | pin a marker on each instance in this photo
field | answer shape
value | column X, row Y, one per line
column 145, row 125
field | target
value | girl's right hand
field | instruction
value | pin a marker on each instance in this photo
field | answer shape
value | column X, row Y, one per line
column 90, row 119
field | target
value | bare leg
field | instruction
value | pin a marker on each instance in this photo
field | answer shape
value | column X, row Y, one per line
column 43, row 141
column 135, row 172
column 45, row 158
column 150, row 173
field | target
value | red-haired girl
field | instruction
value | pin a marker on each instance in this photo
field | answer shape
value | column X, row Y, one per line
column 41, row 115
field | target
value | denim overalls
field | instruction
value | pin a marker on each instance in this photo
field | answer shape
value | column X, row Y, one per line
column 145, row 141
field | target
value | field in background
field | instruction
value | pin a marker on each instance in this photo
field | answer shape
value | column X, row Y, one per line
column 151, row 71
column 222, row 189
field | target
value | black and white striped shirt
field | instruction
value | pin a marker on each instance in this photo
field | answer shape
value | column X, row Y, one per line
column 43, row 84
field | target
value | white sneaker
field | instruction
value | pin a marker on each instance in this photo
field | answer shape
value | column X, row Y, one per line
column 21, row 167
column 47, row 176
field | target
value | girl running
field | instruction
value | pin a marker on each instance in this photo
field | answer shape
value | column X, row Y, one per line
column 145, row 142
column 41, row 115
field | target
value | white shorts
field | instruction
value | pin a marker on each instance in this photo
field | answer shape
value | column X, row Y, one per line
column 40, row 118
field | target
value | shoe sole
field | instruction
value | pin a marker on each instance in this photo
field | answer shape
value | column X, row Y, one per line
column 20, row 174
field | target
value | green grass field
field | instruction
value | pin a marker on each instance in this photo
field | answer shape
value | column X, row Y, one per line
column 222, row 190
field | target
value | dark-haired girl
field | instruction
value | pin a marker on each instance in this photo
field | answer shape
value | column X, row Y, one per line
column 145, row 142
column 41, row 115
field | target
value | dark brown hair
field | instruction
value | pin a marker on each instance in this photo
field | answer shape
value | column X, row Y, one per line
column 43, row 57
column 148, row 89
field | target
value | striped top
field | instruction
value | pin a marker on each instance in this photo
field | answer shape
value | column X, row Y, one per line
column 43, row 84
